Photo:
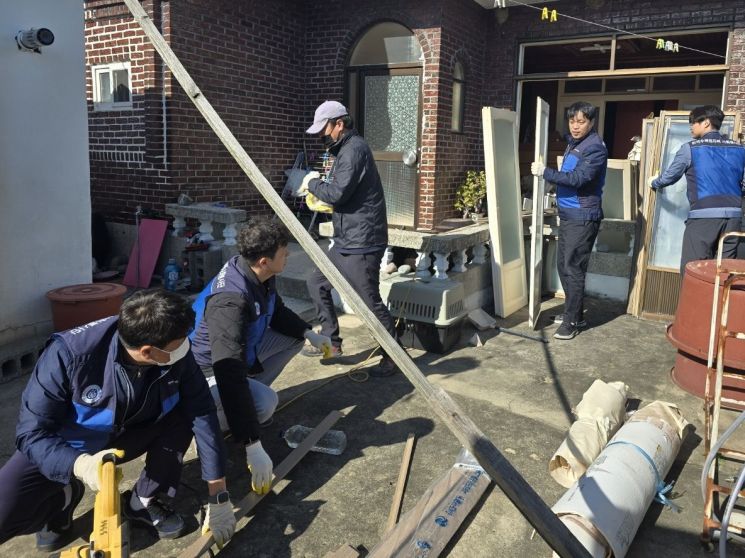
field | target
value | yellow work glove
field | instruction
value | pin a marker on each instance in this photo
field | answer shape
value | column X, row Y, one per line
column 220, row 521
column 86, row 467
column 260, row 465
column 652, row 179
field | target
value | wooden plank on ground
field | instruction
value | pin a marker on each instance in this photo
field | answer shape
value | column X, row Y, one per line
column 401, row 484
column 536, row 236
column 203, row 543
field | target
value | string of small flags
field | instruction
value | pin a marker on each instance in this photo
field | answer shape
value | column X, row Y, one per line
column 552, row 16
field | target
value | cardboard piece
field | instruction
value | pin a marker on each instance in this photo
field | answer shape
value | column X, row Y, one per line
column 145, row 256
column 426, row 529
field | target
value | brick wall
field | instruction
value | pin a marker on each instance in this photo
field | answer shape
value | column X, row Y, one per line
column 265, row 65
column 464, row 29
column 247, row 58
column 126, row 146
column 329, row 42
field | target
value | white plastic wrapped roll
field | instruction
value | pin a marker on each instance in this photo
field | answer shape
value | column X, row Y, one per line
column 599, row 415
column 613, row 496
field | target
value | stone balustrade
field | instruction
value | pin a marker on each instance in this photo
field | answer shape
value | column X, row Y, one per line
column 207, row 214
column 436, row 249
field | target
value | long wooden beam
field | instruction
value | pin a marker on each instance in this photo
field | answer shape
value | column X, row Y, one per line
column 515, row 487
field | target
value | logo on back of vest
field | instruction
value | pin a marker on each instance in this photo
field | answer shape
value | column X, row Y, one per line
column 258, row 308
column 92, row 394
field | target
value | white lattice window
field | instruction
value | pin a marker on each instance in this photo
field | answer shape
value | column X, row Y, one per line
column 112, row 86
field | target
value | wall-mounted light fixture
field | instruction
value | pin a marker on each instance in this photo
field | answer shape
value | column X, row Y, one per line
column 31, row 40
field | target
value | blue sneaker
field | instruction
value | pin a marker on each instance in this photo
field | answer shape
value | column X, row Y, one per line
column 157, row 515
column 58, row 530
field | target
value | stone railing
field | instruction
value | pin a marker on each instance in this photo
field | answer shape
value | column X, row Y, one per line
column 207, row 214
column 440, row 247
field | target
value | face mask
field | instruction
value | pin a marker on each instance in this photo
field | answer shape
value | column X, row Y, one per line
column 328, row 141
column 177, row 354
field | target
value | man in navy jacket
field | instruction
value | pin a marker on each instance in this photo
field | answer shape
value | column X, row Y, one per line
column 579, row 186
column 128, row 383
column 713, row 166
column 245, row 336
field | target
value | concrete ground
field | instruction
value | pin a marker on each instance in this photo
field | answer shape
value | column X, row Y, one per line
column 519, row 392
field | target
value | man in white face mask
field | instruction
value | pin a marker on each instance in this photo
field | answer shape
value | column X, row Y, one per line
column 128, row 383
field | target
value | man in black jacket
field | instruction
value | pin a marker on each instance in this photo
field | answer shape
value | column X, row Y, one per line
column 354, row 190
column 245, row 335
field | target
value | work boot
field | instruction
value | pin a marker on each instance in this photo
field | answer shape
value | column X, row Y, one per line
column 57, row 533
column 566, row 331
column 157, row 515
column 386, row 367
column 311, row 351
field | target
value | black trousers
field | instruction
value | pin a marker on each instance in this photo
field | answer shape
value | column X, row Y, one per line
column 576, row 239
column 28, row 500
column 362, row 271
column 701, row 239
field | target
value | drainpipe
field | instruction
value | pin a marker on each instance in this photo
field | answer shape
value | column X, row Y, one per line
column 163, row 95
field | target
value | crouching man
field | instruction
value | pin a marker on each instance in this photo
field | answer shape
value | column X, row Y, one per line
column 245, row 336
column 128, row 382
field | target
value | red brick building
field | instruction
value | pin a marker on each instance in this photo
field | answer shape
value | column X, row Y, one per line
column 266, row 64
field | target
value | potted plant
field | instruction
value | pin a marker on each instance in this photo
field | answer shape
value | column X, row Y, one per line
column 471, row 195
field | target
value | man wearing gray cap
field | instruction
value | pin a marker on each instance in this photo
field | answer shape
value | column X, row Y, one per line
column 354, row 190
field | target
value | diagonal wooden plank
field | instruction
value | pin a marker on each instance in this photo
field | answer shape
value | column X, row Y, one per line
column 509, row 480
column 203, row 543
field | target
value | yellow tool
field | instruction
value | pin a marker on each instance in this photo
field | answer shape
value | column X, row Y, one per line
column 110, row 536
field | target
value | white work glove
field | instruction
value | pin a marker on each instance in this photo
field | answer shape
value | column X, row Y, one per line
column 220, row 521
column 260, row 465
column 652, row 179
column 306, row 181
column 86, row 467
column 537, row 168
column 320, row 342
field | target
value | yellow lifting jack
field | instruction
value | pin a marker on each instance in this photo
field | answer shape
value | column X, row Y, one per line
column 110, row 536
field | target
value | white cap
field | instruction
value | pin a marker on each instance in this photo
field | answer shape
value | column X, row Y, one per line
column 325, row 112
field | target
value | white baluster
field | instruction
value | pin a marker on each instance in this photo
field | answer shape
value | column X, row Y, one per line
column 205, row 231
column 179, row 224
column 479, row 254
column 422, row 264
column 459, row 261
column 387, row 258
column 441, row 265
column 229, row 233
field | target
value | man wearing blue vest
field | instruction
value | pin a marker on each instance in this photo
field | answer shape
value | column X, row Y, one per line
column 579, row 194
column 245, row 336
column 128, row 383
column 713, row 166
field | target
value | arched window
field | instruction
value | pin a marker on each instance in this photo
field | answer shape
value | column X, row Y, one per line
column 387, row 43
column 459, row 98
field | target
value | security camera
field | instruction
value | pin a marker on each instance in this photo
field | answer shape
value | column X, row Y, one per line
column 31, row 40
